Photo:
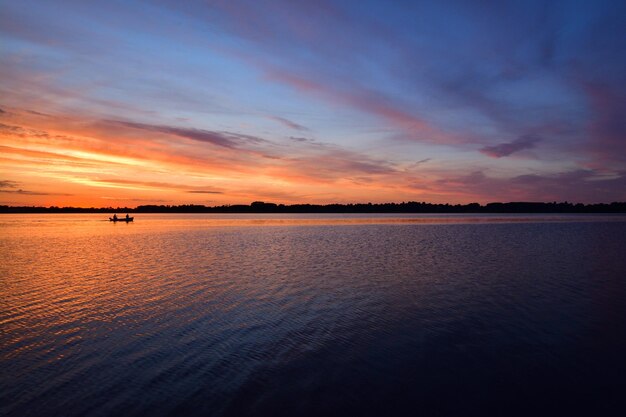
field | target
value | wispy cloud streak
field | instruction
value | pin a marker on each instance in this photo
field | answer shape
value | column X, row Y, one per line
column 506, row 149
column 290, row 124
column 224, row 139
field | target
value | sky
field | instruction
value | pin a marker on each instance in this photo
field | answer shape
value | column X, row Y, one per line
column 124, row 103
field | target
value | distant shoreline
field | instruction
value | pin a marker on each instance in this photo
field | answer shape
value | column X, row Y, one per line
column 259, row 207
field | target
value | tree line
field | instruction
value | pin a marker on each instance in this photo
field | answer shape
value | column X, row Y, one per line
column 404, row 207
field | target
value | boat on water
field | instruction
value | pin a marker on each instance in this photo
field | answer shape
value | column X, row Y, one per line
column 121, row 219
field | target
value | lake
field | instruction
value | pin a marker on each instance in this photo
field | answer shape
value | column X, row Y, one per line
column 312, row 315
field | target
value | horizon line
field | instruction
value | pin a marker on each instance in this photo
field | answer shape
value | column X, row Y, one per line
column 405, row 206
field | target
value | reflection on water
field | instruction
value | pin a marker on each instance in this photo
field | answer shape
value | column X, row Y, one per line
column 316, row 315
column 98, row 223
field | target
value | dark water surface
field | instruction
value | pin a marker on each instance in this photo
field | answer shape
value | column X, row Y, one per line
column 187, row 315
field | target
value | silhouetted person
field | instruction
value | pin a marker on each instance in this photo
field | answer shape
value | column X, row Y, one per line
column 115, row 217
column 127, row 217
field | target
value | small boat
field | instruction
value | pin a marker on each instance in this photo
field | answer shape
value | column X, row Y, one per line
column 121, row 219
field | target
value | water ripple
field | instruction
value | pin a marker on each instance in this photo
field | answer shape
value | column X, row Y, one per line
column 196, row 316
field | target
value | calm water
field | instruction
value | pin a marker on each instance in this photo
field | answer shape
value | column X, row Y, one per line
column 272, row 315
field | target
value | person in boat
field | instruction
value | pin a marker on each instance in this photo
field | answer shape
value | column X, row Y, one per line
column 127, row 217
column 115, row 217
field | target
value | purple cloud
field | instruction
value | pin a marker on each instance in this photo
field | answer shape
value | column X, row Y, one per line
column 289, row 123
column 224, row 139
column 508, row 148
column 588, row 186
column 300, row 139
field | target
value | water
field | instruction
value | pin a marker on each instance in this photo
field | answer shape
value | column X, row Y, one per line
column 255, row 315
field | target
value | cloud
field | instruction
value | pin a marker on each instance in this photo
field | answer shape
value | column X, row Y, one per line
column 10, row 187
column 142, row 161
column 288, row 123
column 48, row 157
column 75, row 139
column 508, row 148
column 11, row 129
column 36, row 113
column 364, row 100
column 26, row 132
column 24, row 192
column 155, row 184
column 580, row 185
column 423, row 161
column 138, row 200
column 330, row 164
column 300, row 139
column 314, row 162
column 417, row 164
column 224, row 139
column 27, row 192
column 8, row 184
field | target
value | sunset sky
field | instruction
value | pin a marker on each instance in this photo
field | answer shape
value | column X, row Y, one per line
column 123, row 103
